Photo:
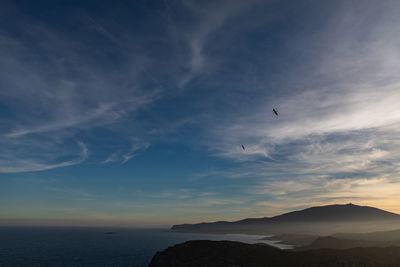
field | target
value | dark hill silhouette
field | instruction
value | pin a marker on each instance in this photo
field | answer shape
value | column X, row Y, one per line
column 340, row 240
column 382, row 236
column 336, row 243
column 320, row 220
column 228, row 253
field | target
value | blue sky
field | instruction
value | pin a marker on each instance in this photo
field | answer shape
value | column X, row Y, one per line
column 133, row 113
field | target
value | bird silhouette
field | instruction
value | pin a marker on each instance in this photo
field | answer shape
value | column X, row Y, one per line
column 243, row 147
column 275, row 111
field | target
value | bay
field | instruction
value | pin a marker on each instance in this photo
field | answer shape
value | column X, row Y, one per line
column 73, row 246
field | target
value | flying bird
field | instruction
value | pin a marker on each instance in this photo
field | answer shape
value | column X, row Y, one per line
column 243, row 147
column 275, row 112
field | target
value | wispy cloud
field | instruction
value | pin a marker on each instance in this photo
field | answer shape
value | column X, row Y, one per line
column 125, row 155
column 114, row 157
column 210, row 18
column 102, row 30
column 102, row 115
column 57, row 89
column 13, row 163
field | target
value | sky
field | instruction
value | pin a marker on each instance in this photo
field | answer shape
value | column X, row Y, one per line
column 133, row 113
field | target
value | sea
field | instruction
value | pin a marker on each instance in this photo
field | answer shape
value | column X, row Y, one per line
column 72, row 246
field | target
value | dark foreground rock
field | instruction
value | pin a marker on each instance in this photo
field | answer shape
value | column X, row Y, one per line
column 228, row 253
column 336, row 243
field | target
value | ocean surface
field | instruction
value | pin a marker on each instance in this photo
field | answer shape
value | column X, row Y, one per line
column 57, row 246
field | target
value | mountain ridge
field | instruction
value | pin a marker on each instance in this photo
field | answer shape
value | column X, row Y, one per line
column 338, row 216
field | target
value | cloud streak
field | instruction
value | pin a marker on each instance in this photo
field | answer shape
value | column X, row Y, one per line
column 11, row 164
column 57, row 90
column 210, row 18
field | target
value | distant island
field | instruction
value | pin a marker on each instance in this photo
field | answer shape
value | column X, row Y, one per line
column 110, row 233
column 323, row 220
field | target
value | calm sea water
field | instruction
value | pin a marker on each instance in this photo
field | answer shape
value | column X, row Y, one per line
column 71, row 247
